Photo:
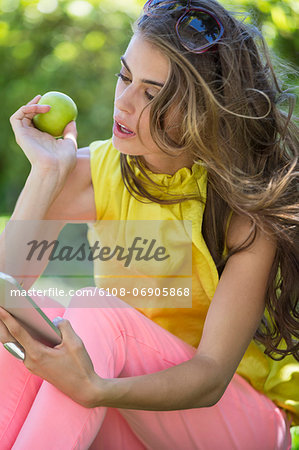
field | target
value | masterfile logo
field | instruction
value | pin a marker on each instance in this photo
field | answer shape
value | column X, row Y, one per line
column 140, row 251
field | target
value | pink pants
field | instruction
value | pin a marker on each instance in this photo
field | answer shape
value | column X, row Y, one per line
column 122, row 342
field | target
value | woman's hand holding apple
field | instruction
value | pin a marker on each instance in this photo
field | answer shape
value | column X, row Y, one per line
column 45, row 153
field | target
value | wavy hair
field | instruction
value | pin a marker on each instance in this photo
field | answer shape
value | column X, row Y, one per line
column 228, row 100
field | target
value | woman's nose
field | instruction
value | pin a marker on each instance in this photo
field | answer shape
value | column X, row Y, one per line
column 124, row 101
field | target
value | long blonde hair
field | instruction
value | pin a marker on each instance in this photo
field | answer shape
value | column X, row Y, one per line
column 228, row 99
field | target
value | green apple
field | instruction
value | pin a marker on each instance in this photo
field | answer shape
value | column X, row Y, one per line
column 63, row 110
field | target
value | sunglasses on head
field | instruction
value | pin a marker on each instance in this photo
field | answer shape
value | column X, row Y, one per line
column 197, row 29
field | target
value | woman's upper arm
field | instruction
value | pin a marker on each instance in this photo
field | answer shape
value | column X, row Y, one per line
column 239, row 301
column 76, row 199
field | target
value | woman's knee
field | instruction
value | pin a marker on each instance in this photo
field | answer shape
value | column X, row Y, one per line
column 98, row 313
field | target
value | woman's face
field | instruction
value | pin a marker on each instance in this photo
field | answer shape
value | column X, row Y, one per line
column 143, row 73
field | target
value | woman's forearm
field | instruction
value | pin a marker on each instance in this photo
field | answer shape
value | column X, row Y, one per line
column 37, row 195
column 32, row 205
column 192, row 384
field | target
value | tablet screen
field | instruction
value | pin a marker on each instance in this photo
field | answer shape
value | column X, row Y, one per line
column 15, row 300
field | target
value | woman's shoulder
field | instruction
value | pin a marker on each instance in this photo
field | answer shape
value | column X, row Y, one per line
column 242, row 231
column 102, row 147
column 239, row 230
column 81, row 175
column 83, row 152
column 76, row 199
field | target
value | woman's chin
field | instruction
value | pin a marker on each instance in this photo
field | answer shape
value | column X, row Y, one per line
column 122, row 146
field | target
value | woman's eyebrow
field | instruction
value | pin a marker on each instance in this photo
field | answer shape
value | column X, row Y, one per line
column 155, row 83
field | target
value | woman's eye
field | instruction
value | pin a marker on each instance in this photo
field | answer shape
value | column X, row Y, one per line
column 123, row 77
column 127, row 80
column 149, row 96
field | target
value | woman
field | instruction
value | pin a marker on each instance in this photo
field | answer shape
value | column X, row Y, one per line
column 195, row 109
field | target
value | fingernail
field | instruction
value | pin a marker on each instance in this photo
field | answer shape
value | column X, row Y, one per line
column 15, row 350
column 57, row 320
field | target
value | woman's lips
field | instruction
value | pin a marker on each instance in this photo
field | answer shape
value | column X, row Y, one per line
column 121, row 131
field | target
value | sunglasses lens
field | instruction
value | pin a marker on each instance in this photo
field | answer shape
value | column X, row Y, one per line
column 198, row 29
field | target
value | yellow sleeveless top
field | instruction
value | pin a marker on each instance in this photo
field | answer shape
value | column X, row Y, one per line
column 279, row 380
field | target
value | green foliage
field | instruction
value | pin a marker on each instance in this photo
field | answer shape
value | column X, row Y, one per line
column 74, row 46
column 295, row 438
column 279, row 22
column 3, row 221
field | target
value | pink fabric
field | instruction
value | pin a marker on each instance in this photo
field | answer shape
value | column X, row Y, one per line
column 123, row 342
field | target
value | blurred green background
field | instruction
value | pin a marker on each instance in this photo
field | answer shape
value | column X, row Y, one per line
column 74, row 46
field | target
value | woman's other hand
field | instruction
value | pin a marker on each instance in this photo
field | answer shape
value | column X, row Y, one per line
column 43, row 150
column 5, row 335
column 67, row 366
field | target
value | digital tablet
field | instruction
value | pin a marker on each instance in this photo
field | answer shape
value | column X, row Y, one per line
column 27, row 312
